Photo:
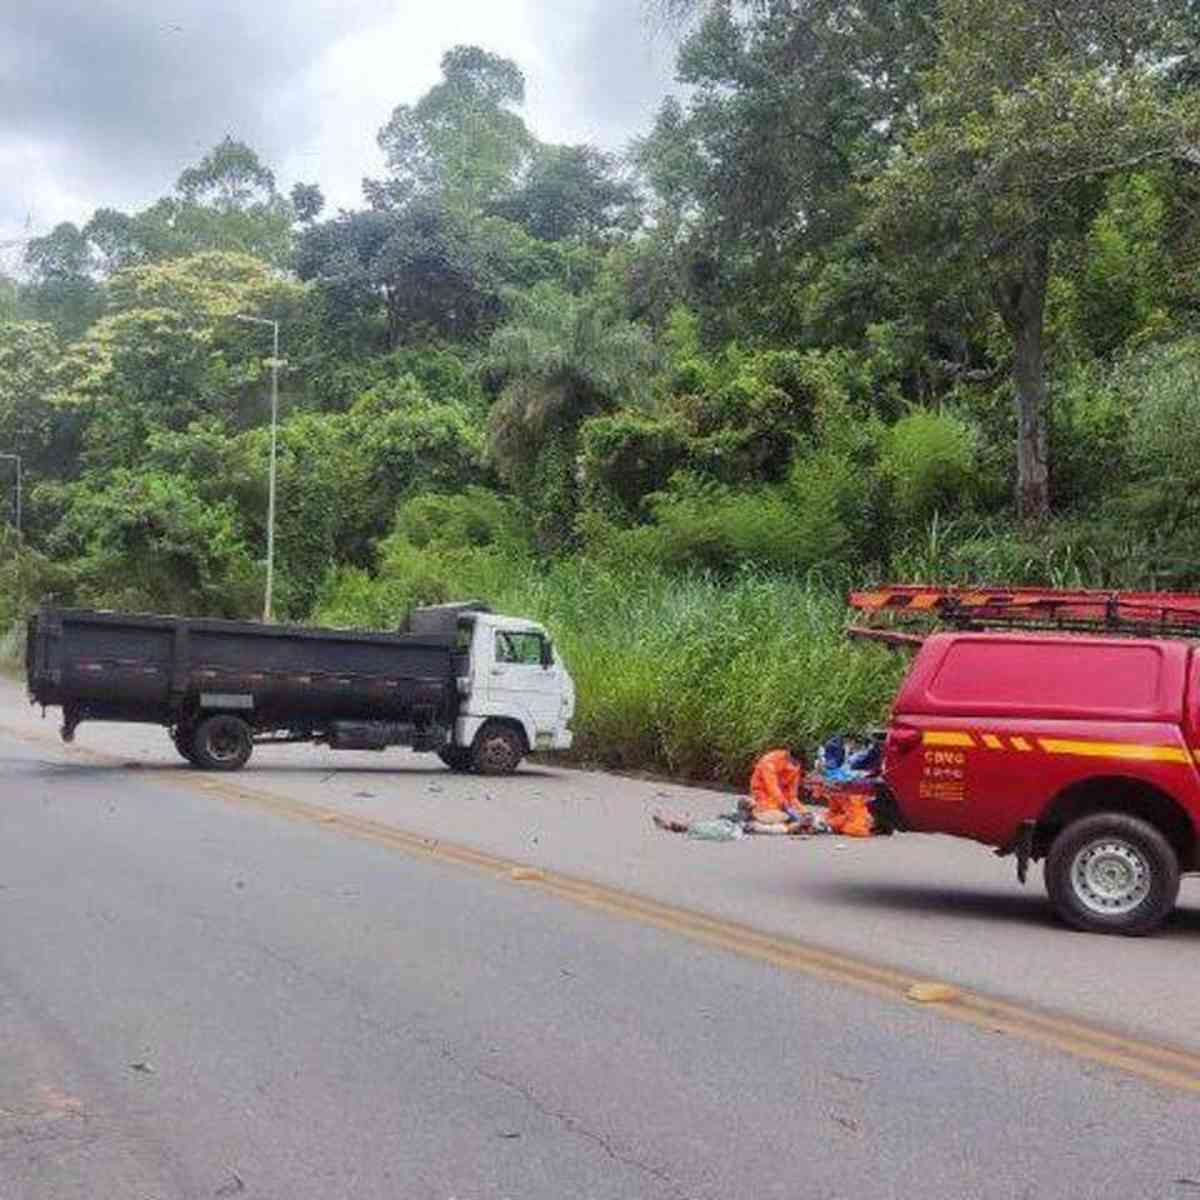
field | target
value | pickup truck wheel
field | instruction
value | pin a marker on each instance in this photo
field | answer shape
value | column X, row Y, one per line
column 222, row 743
column 1112, row 873
column 457, row 758
column 498, row 750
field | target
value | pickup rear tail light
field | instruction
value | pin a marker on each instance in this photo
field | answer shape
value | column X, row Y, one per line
column 903, row 740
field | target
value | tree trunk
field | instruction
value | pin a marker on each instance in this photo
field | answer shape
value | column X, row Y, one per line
column 1022, row 302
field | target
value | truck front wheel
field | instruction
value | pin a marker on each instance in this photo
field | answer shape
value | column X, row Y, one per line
column 457, row 758
column 498, row 750
column 1112, row 873
column 222, row 743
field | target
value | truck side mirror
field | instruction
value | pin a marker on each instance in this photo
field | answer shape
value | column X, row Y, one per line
column 547, row 653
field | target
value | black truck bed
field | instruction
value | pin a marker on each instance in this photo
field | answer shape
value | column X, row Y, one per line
column 117, row 666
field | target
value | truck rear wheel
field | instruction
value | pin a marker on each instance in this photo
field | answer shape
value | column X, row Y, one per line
column 1112, row 873
column 498, row 749
column 183, row 741
column 222, row 743
column 457, row 758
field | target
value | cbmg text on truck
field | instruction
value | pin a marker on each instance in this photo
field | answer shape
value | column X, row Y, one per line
column 479, row 689
column 1055, row 726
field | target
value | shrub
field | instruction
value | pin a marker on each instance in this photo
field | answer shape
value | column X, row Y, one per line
column 930, row 459
column 626, row 456
column 149, row 541
column 1089, row 439
column 1165, row 430
column 474, row 518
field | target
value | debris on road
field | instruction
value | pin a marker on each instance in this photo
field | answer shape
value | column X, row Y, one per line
column 931, row 993
column 720, row 830
column 528, row 874
column 235, row 1185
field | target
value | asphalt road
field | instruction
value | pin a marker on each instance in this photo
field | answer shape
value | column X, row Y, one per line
column 201, row 998
column 936, row 907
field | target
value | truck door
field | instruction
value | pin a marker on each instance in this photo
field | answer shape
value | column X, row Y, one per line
column 519, row 683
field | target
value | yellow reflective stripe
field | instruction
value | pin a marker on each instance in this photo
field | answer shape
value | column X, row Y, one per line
column 947, row 737
column 925, row 600
column 1129, row 750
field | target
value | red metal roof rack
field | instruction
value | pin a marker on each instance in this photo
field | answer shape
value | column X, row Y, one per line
column 1145, row 614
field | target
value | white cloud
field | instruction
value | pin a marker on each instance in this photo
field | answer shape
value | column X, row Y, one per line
column 105, row 110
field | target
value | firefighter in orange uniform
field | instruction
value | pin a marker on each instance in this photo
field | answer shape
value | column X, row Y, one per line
column 775, row 785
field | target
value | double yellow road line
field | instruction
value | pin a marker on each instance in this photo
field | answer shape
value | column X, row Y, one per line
column 1162, row 1065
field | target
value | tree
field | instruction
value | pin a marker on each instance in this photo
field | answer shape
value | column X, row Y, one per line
column 559, row 360
column 461, row 144
column 229, row 178
column 790, row 104
column 225, row 202
column 64, row 290
column 29, row 358
column 120, row 240
column 419, row 262
column 170, row 353
column 571, row 191
column 410, row 442
column 425, row 251
column 307, row 201
column 426, row 271
column 10, row 299
column 1030, row 108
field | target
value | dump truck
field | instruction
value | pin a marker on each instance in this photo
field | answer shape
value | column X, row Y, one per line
column 1056, row 726
column 479, row 689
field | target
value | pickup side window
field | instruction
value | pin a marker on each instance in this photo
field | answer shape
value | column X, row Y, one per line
column 1123, row 678
column 522, row 648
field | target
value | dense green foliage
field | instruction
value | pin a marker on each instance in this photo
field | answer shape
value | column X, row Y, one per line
column 908, row 290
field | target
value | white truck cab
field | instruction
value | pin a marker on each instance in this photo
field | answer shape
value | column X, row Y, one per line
column 515, row 694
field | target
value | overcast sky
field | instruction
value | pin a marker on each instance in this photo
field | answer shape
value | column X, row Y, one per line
column 104, row 102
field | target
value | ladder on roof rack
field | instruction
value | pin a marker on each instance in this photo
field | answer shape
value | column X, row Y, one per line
column 1146, row 614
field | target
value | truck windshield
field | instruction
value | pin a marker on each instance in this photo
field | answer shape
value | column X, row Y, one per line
column 525, row 648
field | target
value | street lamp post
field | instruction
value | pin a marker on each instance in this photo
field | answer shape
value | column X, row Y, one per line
column 17, row 459
column 271, row 484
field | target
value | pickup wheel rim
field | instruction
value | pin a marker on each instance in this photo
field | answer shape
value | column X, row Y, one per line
column 1111, row 876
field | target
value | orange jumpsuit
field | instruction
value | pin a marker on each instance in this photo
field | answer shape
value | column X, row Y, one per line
column 775, row 783
column 850, row 815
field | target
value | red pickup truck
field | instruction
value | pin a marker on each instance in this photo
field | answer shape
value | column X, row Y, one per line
column 1074, row 749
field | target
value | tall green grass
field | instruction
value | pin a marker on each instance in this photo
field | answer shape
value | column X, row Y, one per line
column 12, row 650
column 683, row 674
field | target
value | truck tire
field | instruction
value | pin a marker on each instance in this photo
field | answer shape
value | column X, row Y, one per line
column 183, row 741
column 1112, row 873
column 498, row 749
column 457, row 758
column 222, row 743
